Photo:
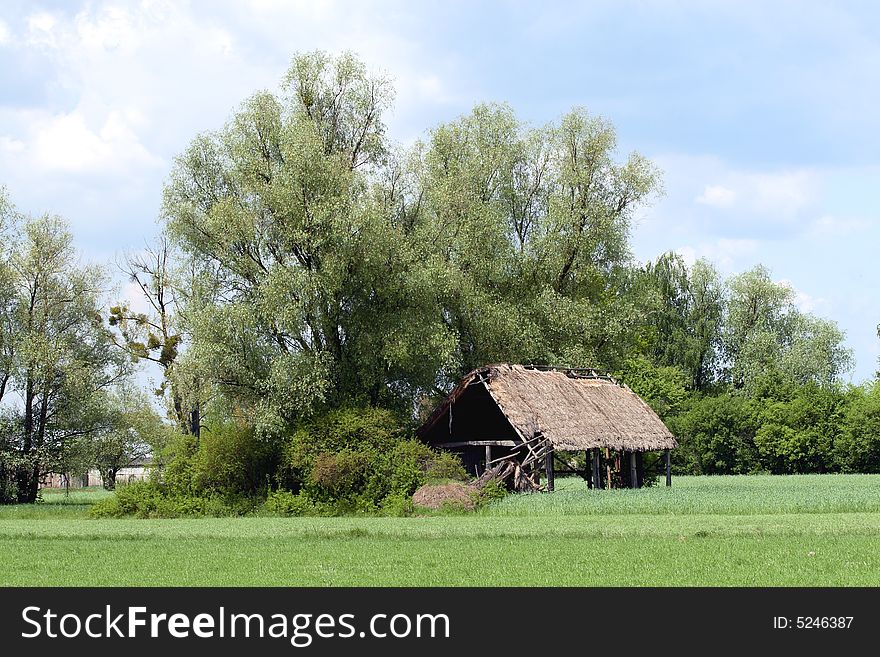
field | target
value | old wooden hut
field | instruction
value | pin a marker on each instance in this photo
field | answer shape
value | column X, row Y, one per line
column 530, row 422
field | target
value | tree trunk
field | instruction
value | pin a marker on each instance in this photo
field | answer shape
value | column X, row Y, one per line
column 195, row 421
column 110, row 479
column 28, row 473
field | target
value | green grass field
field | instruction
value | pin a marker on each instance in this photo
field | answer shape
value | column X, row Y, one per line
column 810, row 530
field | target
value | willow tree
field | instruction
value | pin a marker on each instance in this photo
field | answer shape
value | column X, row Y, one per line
column 344, row 270
column 155, row 334
column 313, row 296
column 683, row 317
column 766, row 335
column 530, row 227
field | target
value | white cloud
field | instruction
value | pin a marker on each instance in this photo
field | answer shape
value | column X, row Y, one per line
column 782, row 194
column 727, row 254
column 41, row 29
column 778, row 196
column 804, row 302
column 829, row 226
column 717, row 196
column 66, row 143
column 11, row 146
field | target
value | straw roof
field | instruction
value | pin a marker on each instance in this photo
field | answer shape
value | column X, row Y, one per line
column 574, row 409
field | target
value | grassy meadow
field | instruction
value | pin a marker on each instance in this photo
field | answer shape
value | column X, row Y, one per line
column 807, row 530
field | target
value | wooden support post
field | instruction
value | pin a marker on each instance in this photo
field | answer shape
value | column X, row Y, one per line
column 607, row 468
column 488, row 455
column 633, row 471
column 548, row 467
column 668, row 461
column 588, row 468
column 597, row 476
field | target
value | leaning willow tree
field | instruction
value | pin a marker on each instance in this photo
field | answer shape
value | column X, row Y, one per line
column 335, row 268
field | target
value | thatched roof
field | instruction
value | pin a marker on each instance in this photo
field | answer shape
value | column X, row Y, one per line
column 574, row 409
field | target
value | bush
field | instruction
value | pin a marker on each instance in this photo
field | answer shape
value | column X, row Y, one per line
column 359, row 461
column 858, row 447
column 177, row 461
column 716, row 436
column 231, row 459
column 492, row 491
column 285, row 503
column 397, row 506
column 227, row 459
column 445, row 466
column 148, row 499
column 340, row 476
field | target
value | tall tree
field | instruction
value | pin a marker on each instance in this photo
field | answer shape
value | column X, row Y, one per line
column 684, row 317
column 313, row 299
column 132, row 432
column 57, row 354
column 156, row 335
column 766, row 335
column 346, row 272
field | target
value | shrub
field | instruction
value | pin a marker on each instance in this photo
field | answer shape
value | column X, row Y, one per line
column 346, row 428
column 149, row 499
column 716, row 436
column 285, row 503
column 177, row 460
column 232, row 460
column 340, row 476
column 397, row 505
column 492, row 491
column 360, row 461
column 858, row 447
column 445, row 466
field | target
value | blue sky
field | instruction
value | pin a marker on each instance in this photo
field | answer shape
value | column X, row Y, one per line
column 763, row 116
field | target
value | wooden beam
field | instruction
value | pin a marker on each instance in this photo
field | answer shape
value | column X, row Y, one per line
column 479, row 443
column 548, row 466
column 633, row 471
column 597, row 472
column 608, row 468
column 668, row 461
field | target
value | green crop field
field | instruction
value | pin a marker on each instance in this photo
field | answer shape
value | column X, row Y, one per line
column 761, row 530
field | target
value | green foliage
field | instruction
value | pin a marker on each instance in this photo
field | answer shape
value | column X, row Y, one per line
column 54, row 353
column 349, row 275
column 686, row 308
column 232, row 459
column 445, row 466
column 132, row 431
column 858, row 447
column 148, row 499
column 358, row 460
column 716, row 436
column 285, row 503
column 662, row 388
column 492, row 491
column 765, row 334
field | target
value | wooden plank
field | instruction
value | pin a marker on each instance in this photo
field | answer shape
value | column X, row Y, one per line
column 597, row 472
column 480, row 443
column 608, row 468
